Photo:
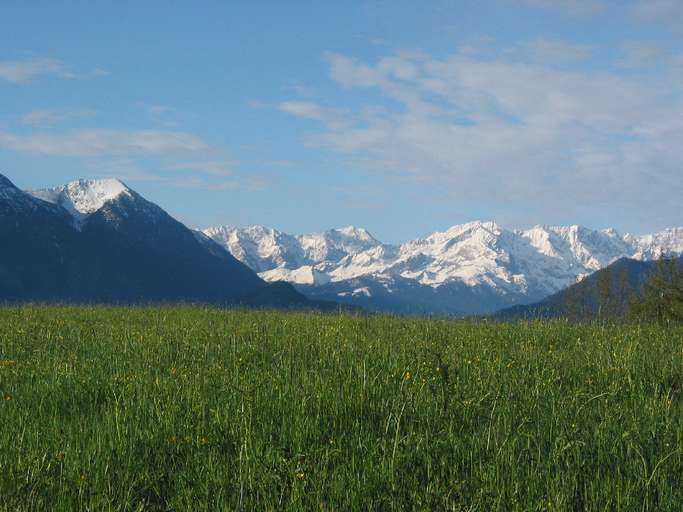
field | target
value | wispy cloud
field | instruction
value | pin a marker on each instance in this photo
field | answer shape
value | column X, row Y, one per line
column 123, row 168
column 18, row 71
column 50, row 117
column 554, row 50
column 248, row 184
column 310, row 110
column 158, row 110
column 102, row 141
column 211, row 167
column 500, row 129
column 187, row 175
column 160, row 115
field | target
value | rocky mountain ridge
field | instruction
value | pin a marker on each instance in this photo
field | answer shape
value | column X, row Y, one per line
column 510, row 266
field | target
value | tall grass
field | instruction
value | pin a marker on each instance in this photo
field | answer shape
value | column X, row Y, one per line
column 201, row 409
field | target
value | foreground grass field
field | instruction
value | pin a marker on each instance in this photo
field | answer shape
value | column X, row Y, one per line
column 203, row 409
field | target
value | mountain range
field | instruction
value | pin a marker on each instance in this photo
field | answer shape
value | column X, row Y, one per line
column 100, row 241
column 473, row 268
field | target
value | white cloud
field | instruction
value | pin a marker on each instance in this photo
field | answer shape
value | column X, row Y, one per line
column 211, row 167
column 201, row 175
column 51, row 117
column 102, row 141
column 24, row 70
column 159, row 110
column 121, row 168
column 248, row 184
column 310, row 110
column 522, row 131
column 41, row 117
column 553, row 50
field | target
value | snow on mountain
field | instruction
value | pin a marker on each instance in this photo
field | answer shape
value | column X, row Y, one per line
column 474, row 253
column 578, row 245
column 83, row 197
column 669, row 241
column 265, row 249
column 534, row 262
column 335, row 244
column 12, row 199
column 261, row 248
column 305, row 274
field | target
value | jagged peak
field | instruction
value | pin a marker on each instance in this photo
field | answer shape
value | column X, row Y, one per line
column 488, row 225
column 350, row 229
column 573, row 230
column 467, row 228
column 82, row 198
column 223, row 229
column 355, row 232
column 260, row 229
column 554, row 228
column 93, row 194
column 611, row 232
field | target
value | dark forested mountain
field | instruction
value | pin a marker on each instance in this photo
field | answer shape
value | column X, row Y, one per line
column 99, row 241
column 610, row 292
column 37, row 244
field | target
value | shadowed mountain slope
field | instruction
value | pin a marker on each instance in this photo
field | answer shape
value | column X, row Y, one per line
column 100, row 241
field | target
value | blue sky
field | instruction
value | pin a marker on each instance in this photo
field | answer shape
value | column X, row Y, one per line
column 401, row 117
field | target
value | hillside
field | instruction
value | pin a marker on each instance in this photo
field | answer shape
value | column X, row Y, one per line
column 606, row 293
column 100, row 241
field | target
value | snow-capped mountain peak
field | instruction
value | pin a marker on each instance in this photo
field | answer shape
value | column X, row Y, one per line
column 84, row 197
column 669, row 241
column 521, row 265
column 357, row 233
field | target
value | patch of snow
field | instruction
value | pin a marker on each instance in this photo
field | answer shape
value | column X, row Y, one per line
column 302, row 275
column 83, row 197
column 534, row 262
column 362, row 291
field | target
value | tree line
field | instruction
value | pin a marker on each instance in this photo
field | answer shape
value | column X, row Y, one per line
column 661, row 299
column 629, row 290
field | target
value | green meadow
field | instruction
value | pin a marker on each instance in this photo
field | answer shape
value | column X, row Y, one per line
column 192, row 408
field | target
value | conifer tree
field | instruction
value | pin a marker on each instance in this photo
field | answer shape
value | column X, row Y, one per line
column 662, row 296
